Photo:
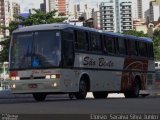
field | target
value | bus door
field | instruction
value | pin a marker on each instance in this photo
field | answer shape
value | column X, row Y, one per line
column 68, row 59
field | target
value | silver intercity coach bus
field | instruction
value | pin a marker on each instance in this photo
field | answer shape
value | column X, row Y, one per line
column 62, row 58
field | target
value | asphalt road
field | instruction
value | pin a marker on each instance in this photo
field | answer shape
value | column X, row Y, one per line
column 63, row 105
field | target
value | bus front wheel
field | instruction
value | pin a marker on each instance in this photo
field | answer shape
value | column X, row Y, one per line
column 39, row 96
column 100, row 95
column 82, row 90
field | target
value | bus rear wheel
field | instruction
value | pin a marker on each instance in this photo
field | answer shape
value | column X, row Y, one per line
column 39, row 96
column 82, row 90
column 100, row 95
column 135, row 92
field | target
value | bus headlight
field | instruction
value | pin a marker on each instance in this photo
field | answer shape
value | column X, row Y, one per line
column 54, row 76
column 13, row 86
column 48, row 77
column 15, row 78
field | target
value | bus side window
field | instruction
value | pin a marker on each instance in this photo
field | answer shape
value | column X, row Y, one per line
column 95, row 42
column 132, row 49
column 81, row 40
column 150, row 50
column 142, row 49
column 109, row 45
column 68, row 47
column 121, row 46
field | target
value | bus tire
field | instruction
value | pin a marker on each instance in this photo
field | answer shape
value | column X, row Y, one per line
column 100, row 95
column 82, row 90
column 71, row 95
column 144, row 95
column 135, row 91
column 39, row 96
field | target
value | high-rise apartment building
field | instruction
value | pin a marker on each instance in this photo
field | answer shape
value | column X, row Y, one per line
column 83, row 10
column 4, row 17
column 42, row 7
column 96, row 20
column 140, row 9
column 59, row 5
column 77, row 11
column 116, row 15
column 154, row 10
column 62, row 6
column 14, row 10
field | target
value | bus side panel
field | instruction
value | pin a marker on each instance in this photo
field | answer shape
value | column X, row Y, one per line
column 133, row 68
column 104, row 71
column 150, row 82
column 70, row 79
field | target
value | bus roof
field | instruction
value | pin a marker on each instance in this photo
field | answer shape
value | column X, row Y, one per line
column 65, row 25
column 129, row 36
column 51, row 27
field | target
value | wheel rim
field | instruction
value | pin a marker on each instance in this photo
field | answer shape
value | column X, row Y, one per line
column 83, row 88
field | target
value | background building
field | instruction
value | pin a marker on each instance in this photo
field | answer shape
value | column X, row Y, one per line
column 59, row 5
column 8, row 10
column 140, row 9
column 154, row 10
column 96, row 20
column 14, row 10
column 4, row 17
column 116, row 15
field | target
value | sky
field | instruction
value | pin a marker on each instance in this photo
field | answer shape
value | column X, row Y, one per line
column 28, row 4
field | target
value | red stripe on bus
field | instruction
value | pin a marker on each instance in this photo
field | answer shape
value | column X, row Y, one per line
column 128, row 77
column 13, row 73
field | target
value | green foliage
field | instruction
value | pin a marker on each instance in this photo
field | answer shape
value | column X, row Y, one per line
column 38, row 17
column 159, row 19
column 156, row 41
column 5, row 42
column 81, row 19
column 4, row 53
column 135, row 33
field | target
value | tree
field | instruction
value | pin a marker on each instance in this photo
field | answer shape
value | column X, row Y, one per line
column 81, row 19
column 5, row 42
column 38, row 17
column 156, row 41
column 135, row 33
column 159, row 19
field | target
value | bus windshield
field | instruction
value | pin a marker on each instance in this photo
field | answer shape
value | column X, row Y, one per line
column 41, row 49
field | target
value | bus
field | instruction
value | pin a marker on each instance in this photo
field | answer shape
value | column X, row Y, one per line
column 157, row 75
column 157, row 80
column 61, row 58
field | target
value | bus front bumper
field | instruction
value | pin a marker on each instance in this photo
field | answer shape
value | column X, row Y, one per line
column 35, row 86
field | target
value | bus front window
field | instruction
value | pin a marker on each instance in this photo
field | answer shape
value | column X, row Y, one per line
column 41, row 49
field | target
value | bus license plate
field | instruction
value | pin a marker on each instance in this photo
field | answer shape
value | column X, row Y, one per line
column 32, row 85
